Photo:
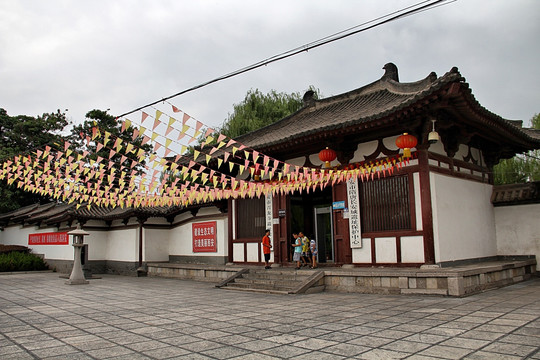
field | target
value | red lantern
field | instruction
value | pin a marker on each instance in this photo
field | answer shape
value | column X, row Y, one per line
column 255, row 172
column 406, row 142
column 327, row 155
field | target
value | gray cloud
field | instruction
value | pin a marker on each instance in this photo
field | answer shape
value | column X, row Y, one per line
column 123, row 54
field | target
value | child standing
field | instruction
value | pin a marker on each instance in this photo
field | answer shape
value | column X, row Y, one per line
column 314, row 252
column 305, row 249
column 297, row 250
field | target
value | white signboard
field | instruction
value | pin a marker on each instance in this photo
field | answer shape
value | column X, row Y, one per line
column 355, row 229
column 269, row 214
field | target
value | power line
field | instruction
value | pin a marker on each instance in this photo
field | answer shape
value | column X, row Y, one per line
column 407, row 11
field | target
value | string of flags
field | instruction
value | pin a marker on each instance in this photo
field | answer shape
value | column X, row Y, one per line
column 118, row 173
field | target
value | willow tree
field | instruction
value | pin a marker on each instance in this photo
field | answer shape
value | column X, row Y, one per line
column 522, row 167
column 258, row 110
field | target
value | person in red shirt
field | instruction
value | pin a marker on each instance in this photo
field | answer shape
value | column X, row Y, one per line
column 266, row 248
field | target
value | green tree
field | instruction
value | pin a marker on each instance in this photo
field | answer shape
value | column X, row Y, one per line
column 258, row 110
column 106, row 122
column 22, row 134
column 521, row 168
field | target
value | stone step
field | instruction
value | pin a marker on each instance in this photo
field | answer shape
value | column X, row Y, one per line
column 276, row 276
column 260, row 286
column 263, row 291
column 270, row 282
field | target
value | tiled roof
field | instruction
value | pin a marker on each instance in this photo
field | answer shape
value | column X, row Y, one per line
column 52, row 213
column 378, row 100
column 515, row 194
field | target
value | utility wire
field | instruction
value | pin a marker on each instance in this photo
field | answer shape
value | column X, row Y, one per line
column 407, row 11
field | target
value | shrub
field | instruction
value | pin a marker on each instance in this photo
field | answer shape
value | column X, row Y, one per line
column 18, row 260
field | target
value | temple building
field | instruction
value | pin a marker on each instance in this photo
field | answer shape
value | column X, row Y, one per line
column 425, row 152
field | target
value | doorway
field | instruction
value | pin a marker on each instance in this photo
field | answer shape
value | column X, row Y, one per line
column 324, row 233
column 311, row 213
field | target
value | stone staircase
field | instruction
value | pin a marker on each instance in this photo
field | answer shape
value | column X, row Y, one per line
column 275, row 281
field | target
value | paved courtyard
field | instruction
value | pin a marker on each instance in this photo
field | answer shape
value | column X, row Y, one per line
column 120, row 317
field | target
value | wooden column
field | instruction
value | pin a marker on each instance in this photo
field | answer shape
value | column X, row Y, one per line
column 427, row 210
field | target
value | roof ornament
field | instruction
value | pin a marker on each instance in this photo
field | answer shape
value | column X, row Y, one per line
column 309, row 98
column 391, row 72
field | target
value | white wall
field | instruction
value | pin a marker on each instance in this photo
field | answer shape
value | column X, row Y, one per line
column 463, row 219
column 123, row 245
column 156, row 245
column 18, row 235
column 518, row 230
column 181, row 240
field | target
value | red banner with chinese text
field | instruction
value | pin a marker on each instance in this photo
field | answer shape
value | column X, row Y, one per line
column 204, row 237
column 54, row 238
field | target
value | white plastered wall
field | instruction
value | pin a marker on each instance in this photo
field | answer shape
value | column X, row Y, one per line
column 518, row 230
column 18, row 235
column 181, row 239
column 463, row 219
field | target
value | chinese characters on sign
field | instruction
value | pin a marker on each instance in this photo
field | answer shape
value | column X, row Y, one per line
column 269, row 212
column 55, row 238
column 353, row 198
column 204, row 237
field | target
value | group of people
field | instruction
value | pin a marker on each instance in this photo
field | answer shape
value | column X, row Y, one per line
column 305, row 250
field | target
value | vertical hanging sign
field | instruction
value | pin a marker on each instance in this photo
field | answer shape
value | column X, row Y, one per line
column 353, row 197
column 205, row 237
column 268, row 211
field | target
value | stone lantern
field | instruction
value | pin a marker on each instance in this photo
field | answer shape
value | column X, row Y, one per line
column 77, row 275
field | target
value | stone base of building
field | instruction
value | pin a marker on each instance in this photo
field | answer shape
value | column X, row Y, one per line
column 96, row 267
column 210, row 260
column 451, row 281
column 197, row 272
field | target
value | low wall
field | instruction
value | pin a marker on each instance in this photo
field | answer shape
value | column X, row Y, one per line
column 188, row 259
column 518, row 229
column 191, row 272
column 458, row 281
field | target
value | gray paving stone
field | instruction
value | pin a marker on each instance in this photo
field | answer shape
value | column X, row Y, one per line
column 285, row 351
column 150, row 318
column 406, row 346
column 486, row 355
column 381, row 354
column 445, row 352
column 510, row 349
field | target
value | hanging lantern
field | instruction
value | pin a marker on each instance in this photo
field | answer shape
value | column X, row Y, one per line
column 406, row 142
column 327, row 155
column 255, row 172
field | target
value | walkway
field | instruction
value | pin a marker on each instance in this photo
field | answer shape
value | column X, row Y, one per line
column 120, row 317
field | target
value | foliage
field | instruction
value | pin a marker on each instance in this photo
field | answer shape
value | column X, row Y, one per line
column 521, row 168
column 21, row 261
column 19, row 135
column 109, row 123
column 258, row 110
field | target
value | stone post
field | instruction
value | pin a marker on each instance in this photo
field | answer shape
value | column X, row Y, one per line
column 77, row 274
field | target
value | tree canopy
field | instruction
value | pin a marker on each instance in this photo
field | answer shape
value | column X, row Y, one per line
column 19, row 135
column 258, row 110
column 107, row 123
column 521, row 168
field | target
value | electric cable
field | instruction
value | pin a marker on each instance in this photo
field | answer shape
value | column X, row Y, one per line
column 407, row 11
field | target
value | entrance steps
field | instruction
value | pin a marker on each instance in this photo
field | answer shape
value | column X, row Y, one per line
column 275, row 281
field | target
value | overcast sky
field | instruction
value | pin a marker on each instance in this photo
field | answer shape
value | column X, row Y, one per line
column 120, row 55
